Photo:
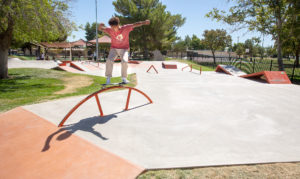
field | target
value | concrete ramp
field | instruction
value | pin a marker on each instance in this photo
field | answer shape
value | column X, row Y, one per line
column 79, row 66
column 92, row 67
column 272, row 77
column 230, row 70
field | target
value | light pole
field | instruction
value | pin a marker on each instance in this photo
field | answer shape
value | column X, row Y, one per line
column 96, row 33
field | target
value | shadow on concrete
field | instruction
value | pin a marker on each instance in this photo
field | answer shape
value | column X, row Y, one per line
column 83, row 125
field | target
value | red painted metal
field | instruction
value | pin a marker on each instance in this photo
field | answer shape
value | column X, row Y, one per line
column 76, row 66
column 95, row 94
column 129, row 61
column 221, row 69
column 128, row 98
column 64, row 63
column 99, row 105
column 169, row 66
column 272, row 77
column 200, row 70
column 191, row 68
column 187, row 67
column 152, row 66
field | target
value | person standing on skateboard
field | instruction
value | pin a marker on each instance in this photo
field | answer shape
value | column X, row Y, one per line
column 119, row 45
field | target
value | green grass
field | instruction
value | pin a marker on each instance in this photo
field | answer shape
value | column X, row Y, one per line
column 23, row 57
column 32, row 85
column 194, row 64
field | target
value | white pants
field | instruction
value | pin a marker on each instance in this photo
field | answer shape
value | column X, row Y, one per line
column 113, row 54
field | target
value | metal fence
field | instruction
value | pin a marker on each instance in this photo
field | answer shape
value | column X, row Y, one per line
column 252, row 65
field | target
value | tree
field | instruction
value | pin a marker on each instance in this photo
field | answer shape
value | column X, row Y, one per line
column 251, row 46
column 271, row 51
column 291, row 35
column 239, row 49
column 266, row 16
column 30, row 20
column 179, row 46
column 228, row 44
column 215, row 40
column 261, row 51
column 196, row 43
column 162, row 31
column 90, row 31
column 187, row 41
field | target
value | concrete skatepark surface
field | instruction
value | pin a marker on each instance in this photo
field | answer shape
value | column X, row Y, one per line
column 27, row 151
column 195, row 120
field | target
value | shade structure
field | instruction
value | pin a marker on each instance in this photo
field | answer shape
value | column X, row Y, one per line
column 103, row 39
column 79, row 42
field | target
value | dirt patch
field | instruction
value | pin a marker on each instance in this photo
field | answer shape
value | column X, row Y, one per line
column 275, row 170
column 73, row 83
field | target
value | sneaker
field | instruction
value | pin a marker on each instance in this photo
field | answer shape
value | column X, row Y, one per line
column 107, row 81
column 125, row 81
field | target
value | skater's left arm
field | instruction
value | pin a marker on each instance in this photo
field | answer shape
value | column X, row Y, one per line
column 138, row 24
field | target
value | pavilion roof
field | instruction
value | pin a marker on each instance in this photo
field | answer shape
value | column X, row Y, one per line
column 103, row 39
column 79, row 42
column 56, row 44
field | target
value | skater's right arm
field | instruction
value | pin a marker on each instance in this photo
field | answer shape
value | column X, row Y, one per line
column 102, row 27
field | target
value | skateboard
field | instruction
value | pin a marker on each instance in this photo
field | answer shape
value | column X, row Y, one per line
column 113, row 84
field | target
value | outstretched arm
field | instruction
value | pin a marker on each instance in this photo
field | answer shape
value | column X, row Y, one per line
column 138, row 24
column 101, row 27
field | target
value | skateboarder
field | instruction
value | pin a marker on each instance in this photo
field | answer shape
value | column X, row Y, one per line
column 119, row 45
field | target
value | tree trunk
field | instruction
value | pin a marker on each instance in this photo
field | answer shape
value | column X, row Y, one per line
column 213, row 53
column 279, row 51
column 38, row 53
column 279, row 40
column 146, row 53
column 297, row 58
column 30, row 49
column 3, row 63
column 5, row 41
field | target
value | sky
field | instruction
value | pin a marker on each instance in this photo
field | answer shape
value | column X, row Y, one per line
column 194, row 11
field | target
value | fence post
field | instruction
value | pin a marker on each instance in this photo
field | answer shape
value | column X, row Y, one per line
column 240, row 64
column 271, row 65
column 292, row 78
column 253, row 65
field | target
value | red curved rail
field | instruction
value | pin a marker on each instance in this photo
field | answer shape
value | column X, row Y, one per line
column 189, row 66
column 95, row 94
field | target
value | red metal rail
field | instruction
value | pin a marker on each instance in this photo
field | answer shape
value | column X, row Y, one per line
column 191, row 68
column 187, row 67
column 95, row 94
column 152, row 66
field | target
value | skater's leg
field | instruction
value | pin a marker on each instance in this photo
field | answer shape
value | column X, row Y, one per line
column 124, row 62
column 110, row 64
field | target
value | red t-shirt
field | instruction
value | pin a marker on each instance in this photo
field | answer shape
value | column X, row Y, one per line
column 120, row 39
